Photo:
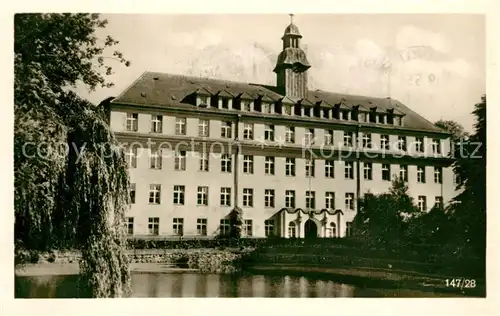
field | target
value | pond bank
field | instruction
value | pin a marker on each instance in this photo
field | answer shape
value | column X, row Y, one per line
column 39, row 269
column 372, row 277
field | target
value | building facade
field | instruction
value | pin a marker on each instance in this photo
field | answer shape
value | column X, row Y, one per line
column 292, row 159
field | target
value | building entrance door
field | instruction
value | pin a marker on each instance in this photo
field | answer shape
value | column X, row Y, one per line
column 310, row 229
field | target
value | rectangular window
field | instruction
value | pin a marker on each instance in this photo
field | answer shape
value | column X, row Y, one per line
column 179, row 194
column 438, row 175
column 225, row 103
column 156, row 123
column 248, row 197
column 367, row 171
column 203, row 161
column 403, row 172
column 345, row 115
column 310, row 168
column 419, row 144
column 421, row 174
column 225, row 163
column 180, row 160
column 310, row 199
column 248, row 131
column 349, row 170
column 203, row 128
column 309, row 136
column 131, row 157
column 422, row 203
column 180, row 126
column 330, row 200
column 269, row 166
column 201, row 226
column 267, row 108
column 348, row 229
column 402, row 143
column 202, row 196
column 154, row 193
column 287, row 109
column 178, row 226
column 328, row 137
column 247, row 106
column 290, row 167
column 329, row 168
column 154, row 225
column 349, row 201
column 290, row 134
column 131, row 192
column 438, row 202
column 155, row 159
column 248, row 228
column 269, row 227
column 248, row 164
column 386, row 172
column 290, row 198
column 269, row 132
column 269, row 198
column 384, row 142
column 129, row 225
column 225, row 131
column 367, row 140
column 348, row 139
column 225, row 196
column 132, row 119
column 436, row 146
column 225, row 227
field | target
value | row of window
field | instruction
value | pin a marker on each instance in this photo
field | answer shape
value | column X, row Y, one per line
column 224, row 228
column 307, row 109
column 201, row 226
column 269, row 166
column 179, row 196
column 269, row 134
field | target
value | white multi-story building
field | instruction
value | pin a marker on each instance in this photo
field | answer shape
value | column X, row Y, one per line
column 292, row 159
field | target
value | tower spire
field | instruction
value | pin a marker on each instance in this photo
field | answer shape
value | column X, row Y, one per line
column 291, row 17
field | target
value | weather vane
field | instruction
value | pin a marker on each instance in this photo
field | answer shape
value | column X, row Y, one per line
column 291, row 18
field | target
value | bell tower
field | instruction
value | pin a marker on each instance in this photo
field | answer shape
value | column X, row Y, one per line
column 291, row 67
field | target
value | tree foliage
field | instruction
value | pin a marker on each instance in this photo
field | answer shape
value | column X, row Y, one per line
column 383, row 218
column 71, row 179
column 469, row 206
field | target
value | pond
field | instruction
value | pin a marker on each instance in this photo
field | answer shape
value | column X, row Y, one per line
column 194, row 284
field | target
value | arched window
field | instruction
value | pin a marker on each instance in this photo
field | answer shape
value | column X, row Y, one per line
column 332, row 231
column 291, row 230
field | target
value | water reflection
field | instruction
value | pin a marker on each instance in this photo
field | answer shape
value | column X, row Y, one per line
column 199, row 285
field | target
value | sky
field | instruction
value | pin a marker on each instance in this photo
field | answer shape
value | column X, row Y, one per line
column 434, row 63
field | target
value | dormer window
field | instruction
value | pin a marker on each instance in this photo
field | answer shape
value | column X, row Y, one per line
column 247, row 107
column 326, row 113
column 373, row 115
column 362, row 117
column 397, row 120
column 266, row 108
column 225, row 103
column 287, row 109
column 307, row 111
column 390, row 118
column 345, row 115
column 381, row 118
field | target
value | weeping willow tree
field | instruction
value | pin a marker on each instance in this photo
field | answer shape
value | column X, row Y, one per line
column 71, row 179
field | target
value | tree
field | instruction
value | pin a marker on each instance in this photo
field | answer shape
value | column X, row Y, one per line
column 71, row 181
column 469, row 206
column 456, row 130
column 383, row 218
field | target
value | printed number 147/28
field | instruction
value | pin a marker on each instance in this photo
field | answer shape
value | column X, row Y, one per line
column 461, row 283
